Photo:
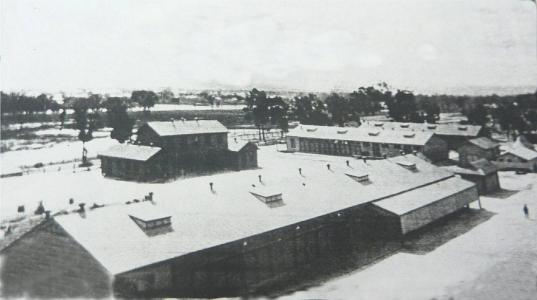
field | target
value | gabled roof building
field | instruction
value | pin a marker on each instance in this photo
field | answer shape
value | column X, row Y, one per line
column 452, row 134
column 366, row 142
column 176, row 148
column 231, row 233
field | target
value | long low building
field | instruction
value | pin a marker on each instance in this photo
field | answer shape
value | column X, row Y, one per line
column 231, row 233
column 367, row 142
column 453, row 134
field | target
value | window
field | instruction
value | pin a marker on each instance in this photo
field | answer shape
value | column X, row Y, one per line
column 396, row 146
column 219, row 139
column 385, row 146
column 367, row 144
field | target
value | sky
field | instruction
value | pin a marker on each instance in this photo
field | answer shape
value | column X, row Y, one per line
column 429, row 46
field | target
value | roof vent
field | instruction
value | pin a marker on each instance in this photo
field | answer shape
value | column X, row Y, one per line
column 151, row 220
column 404, row 125
column 342, row 131
column 358, row 176
column 379, row 124
column 407, row 165
column 431, row 126
column 463, row 128
column 267, row 195
column 311, row 129
column 374, row 133
column 409, row 135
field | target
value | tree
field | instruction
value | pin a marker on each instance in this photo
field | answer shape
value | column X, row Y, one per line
column 338, row 107
column 118, row 119
column 145, row 99
column 303, row 108
column 402, row 106
column 432, row 111
column 208, row 97
column 478, row 115
column 85, row 122
column 278, row 111
column 257, row 110
column 166, row 95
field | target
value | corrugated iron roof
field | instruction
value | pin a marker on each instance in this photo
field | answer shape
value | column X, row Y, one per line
column 130, row 151
column 521, row 152
column 184, row 127
column 237, row 145
column 370, row 135
column 484, row 143
column 412, row 200
column 439, row 129
column 204, row 218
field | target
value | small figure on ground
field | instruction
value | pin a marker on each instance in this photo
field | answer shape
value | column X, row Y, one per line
column 526, row 211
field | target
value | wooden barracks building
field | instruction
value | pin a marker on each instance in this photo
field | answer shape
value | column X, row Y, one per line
column 172, row 148
column 453, row 134
column 232, row 233
column 365, row 142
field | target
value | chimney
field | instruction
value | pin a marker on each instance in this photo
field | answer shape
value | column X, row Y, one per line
column 235, row 139
column 365, row 159
column 150, row 196
column 259, row 176
column 81, row 205
column 328, row 166
column 47, row 214
column 300, row 171
column 348, row 163
column 71, row 200
column 212, row 186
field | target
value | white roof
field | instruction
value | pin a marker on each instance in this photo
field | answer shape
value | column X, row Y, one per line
column 520, row 151
column 180, row 127
column 202, row 218
column 371, row 135
column 129, row 151
column 415, row 199
column 439, row 129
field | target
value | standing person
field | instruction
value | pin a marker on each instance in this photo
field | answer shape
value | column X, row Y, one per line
column 526, row 211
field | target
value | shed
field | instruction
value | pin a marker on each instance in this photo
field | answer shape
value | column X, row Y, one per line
column 478, row 148
column 135, row 162
column 482, row 172
column 242, row 154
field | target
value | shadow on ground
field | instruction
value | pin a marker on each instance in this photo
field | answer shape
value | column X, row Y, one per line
column 502, row 194
column 442, row 231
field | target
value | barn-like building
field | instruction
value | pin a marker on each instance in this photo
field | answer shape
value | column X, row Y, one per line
column 517, row 156
column 176, row 148
column 365, row 142
column 476, row 149
column 232, row 233
column 453, row 134
column 482, row 172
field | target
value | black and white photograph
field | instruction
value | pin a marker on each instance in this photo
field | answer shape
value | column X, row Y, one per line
column 268, row 149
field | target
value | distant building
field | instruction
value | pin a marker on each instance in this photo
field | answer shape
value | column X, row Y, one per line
column 171, row 148
column 482, row 172
column 476, row 149
column 366, row 142
column 453, row 134
column 233, row 233
column 517, row 156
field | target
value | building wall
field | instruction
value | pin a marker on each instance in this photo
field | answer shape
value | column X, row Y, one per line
column 469, row 153
column 131, row 169
column 485, row 184
column 266, row 259
column 47, row 263
column 349, row 148
column 508, row 161
column 425, row 215
column 244, row 159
